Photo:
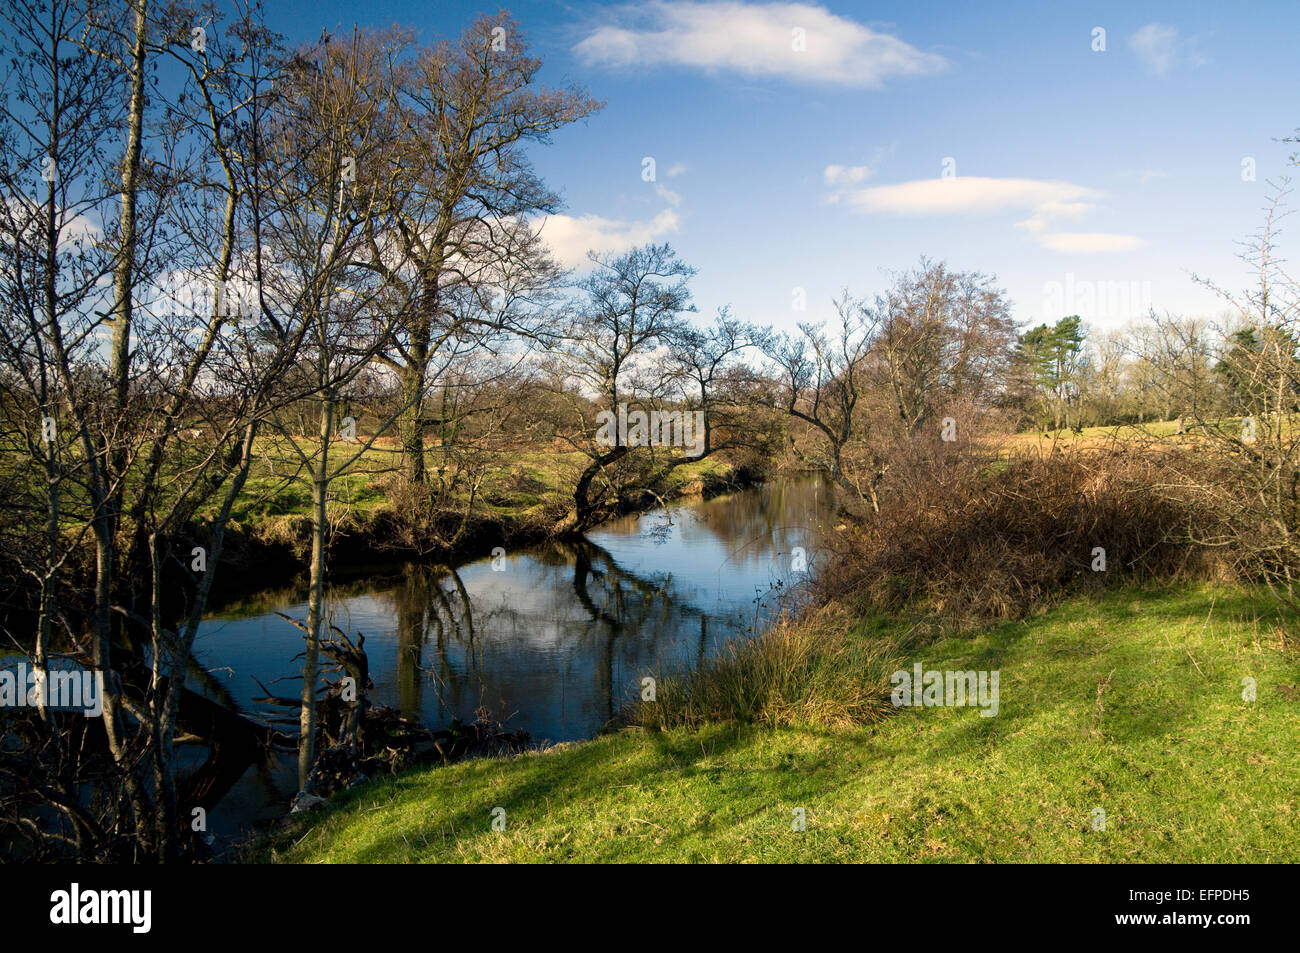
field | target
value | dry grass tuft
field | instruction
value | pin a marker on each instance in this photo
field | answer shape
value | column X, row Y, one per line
column 825, row 668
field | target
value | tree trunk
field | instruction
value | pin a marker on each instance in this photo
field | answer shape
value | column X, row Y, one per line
column 410, row 426
column 315, row 599
column 124, row 268
column 48, row 605
column 581, row 514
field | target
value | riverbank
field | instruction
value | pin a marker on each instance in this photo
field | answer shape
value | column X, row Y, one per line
column 1128, row 703
column 268, row 538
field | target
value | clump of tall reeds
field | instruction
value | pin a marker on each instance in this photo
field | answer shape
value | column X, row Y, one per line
column 824, row 667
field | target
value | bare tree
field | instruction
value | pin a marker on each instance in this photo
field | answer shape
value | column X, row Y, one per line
column 632, row 305
column 1252, row 487
column 112, row 414
column 944, row 338
column 333, row 153
column 823, row 376
column 1179, row 355
column 716, row 381
column 465, row 195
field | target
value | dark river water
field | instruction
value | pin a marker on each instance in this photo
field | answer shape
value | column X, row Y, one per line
column 553, row 638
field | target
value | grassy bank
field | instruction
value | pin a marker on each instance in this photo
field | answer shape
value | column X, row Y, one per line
column 516, row 503
column 1130, row 702
column 516, row 486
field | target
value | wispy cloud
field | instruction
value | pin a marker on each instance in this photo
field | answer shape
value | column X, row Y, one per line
column 794, row 41
column 668, row 195
column 961, row 194
column 1161, row 48
column 841, row 175
column 1046, row 202
column 570, row 237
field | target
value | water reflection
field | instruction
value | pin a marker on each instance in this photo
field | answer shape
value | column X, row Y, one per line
column 553, row 638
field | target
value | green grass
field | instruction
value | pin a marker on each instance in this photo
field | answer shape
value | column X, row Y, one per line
column 515, row 485
column 1131, row 702
column 1151, row 430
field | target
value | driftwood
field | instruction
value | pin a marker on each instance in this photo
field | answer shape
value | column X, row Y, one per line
column 351, row 692
column 395, row 742
column 342, row 707
column 359, row 740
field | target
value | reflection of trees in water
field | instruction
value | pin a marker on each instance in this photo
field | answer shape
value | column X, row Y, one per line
column 432, row 606
column 625, row 617
column 626, row 622
column 619, row 604
column 772, row 520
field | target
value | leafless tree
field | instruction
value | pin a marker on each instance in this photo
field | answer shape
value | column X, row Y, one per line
column 333, row 156
column 943, row 338
column 823, row 378
column 1253, row 483
column 631, row 306
column 462, row 206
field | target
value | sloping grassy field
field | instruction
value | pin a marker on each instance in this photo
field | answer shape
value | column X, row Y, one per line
column 1130, row 703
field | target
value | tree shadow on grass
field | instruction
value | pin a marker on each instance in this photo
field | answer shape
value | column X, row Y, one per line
column 1103, row 691
column 582, row 774
column 588, row 775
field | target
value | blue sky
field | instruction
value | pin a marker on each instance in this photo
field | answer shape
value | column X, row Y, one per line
column 1088, row 181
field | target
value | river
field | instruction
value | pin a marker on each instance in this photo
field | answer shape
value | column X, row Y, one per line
column 553, row 638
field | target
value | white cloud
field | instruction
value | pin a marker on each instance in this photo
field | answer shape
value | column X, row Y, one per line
column 26, row 215
column 754, row 40
column 1047, row 212
column 840, row 175
column 1045, row 201
column 1160, row 48
column 962, row 194
column 676, row 169
column 79, row 229
column 1155, row 45
column 570, row 237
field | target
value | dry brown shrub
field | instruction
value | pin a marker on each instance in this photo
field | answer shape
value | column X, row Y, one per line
column 967, row 535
